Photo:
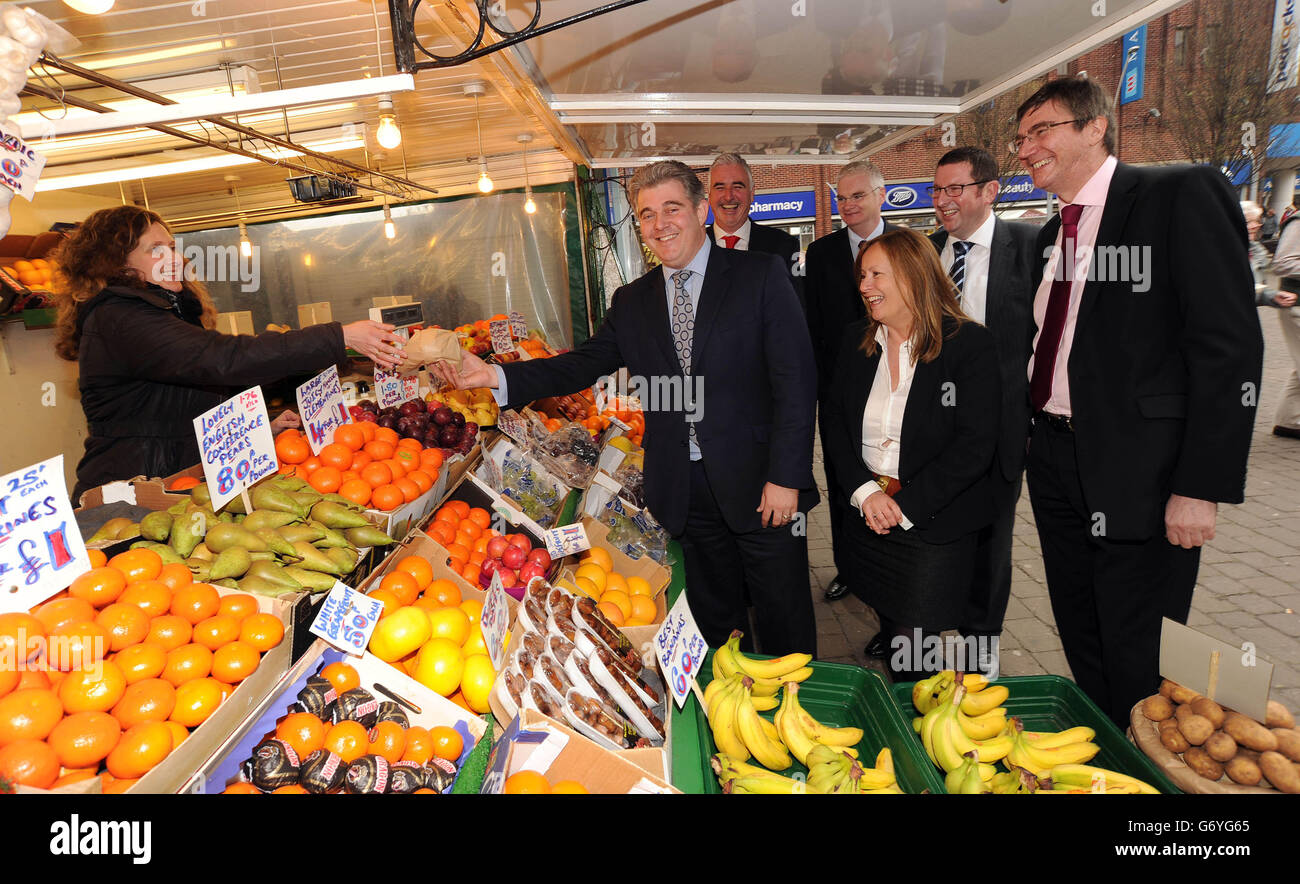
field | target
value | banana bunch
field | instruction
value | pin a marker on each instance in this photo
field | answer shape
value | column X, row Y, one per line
column 768, row 675
column 1042, row 752
column 1084, row 779
column 835, row 772
column 739, row 778
column 762, row 704
column 982, row 697
column 739, row 731
column 1016, row 781
column 967, row 779
column 801, row 733
column 946, row 734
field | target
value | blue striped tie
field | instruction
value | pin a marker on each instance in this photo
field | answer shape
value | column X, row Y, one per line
column 957, row 272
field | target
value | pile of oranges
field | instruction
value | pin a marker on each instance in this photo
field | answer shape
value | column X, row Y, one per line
column 465, row 531
column 530, row 782
column 108, row 677
column 369, row 465
column 625, row 601
column 349, row 740
column 432, row 633
column 35, row 274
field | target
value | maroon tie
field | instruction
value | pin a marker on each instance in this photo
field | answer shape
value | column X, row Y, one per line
column 730, row 241
column 1058, row 307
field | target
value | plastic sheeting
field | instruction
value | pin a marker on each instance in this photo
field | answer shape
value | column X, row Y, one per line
column 462, row 259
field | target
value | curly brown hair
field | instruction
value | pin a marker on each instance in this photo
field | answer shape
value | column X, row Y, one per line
column 932, row 294
column 93, row 257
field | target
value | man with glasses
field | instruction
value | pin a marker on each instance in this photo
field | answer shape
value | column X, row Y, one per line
column 1143, row 385
column 991, row 262
column 834, row 303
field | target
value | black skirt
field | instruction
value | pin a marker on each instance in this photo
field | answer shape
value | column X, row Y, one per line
column 906, row 579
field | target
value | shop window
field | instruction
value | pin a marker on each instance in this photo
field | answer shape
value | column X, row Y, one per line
column 1180, row 46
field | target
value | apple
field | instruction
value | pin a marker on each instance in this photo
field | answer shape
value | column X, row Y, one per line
column 523, row 541
column 514, row 557
column 508, row 578
column 540, row 557
column 529, row 571
column 496, row 546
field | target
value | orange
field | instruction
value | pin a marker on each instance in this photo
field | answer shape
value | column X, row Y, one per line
column 444, row 591
column 261, row 632
column 376, row 475
column 125, row 624
column 32, row 678
column 431, row 459
column 137, row 564
column 600, row 557
column 342, row 676
column 408, row 458
column 99, row 586
column 217, row 630
column 195, row 602
column 54, row 614
column 187, row 663
column 28, row 714
column 76, row 644
column 620, row 600
column 359, row 461
column 447, row 742
column 468, row 528
column 140, row 750
column 458, row 551
column 349, row 436
column 470, row 574
column 356, row 490
column 441, row 532
column 97, row 558
column 391, row 602
column 96, row 688
column 476, row 681
column 303, row 731
column 569, row 787
column 142, row 661
column 179, row 732
column 379, row 450
column 151, row 699
column 479, row 516
column 195, row 701
column 450, row 515
column 401, row 584
column 387, row 498
column 419, row 568
column 169, row 631
column 291, row 789
column 421, row 480
column 638, row 586
column 643, row 608
column 174, row 575
column 74, row 775
column 473, row 609
column 238, row 605
column 241, row 789
column 349, row 476
column 291, row 447
column 386, row 434
column 326, row 480
column 234, row 662
column 182, row 483
column 348, row 740
column 153, row 597
column 527, row 782
column 388, row 739
column 116, row 785
column 9, row 678
column 480, row 543
column 450, row 623
column 612, row 613
column 614, row 580
column 398, row 468
column 29, row 763
column 476, row 558
column 419, row 745
column 459, row 507
column 309, row 466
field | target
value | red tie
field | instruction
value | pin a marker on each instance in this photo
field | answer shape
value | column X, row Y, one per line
column 730, row 241
column 1058, row 307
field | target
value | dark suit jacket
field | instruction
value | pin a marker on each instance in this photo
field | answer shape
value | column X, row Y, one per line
column 1164, row 369
column 832, row 297
column 1009, row 313
column 950, row 429
column 774, row 242
column 753, row 358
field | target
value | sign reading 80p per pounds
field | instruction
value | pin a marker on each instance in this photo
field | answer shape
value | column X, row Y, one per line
column 235, row 445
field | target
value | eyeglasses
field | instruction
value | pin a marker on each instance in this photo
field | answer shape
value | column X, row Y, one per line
column 955, row 190
column 1036, row 133
column 855, row 197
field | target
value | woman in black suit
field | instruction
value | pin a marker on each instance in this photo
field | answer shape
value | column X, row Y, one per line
column 913, row 413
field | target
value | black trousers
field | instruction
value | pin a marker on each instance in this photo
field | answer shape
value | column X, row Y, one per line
column 838, row 501
column 991, row 583
column 772, row 563
column 1108, row 596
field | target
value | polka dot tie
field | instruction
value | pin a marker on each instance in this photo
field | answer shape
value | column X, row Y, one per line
column 683, row 327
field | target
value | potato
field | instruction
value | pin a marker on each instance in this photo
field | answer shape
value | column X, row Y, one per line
column 1243, row 771
column 1167, row 724
column 1174, row 741
column 1249, row 733
column 1220, row 746
column 1279, row 716
column 1288, row 742
column 1203, row 764
column 1280, row 772
column 1248, row 754
column 1207, row 708
column 1167, row 689
column 1183, row 711
column 1196, row 728
column 1180, row 694
column 1157, row 708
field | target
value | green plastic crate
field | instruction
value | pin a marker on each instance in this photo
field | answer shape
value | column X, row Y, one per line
column 835, row 694
column 1053, row 703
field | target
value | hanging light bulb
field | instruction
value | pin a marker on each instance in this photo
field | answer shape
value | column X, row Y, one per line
column 245, row 244
column 529, row 206
column 388, row 135
column 485, row 184
column 390, row 229
column 476, row 88
column 90, row 7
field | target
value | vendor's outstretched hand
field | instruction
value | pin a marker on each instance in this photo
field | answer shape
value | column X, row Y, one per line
column 375, row 341
column 474, row 372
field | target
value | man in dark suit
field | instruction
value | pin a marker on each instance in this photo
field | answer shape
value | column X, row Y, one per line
column 833, row 303
column 731, row 193
column 992, row 262
column 728, row 457
column 1144, row 382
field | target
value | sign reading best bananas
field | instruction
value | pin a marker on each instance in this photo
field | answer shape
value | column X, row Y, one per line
column 236, row 445
column 680, row 649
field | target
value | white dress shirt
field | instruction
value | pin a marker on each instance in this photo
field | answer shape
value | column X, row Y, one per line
column 742, row 244
column 882, row 419
column 855, row 240
column 974, row 292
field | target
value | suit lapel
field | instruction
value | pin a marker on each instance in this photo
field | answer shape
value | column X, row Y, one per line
column 1119, row 202
column 716, row 287
column 1000, row 262
column 865, row 368
column 660, row 323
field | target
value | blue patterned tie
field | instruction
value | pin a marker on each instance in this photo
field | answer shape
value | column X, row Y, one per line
column 683, row 329
column 957, row 272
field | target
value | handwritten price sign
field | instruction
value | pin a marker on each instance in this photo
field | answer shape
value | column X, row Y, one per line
column 41, row 550
column 499, row 329
column 492, row 621
column 236, row 446
column 347, row 618
column 320, row 405
column 20, row 165
column 680, row 649
column 567, row 540
column 518, row 325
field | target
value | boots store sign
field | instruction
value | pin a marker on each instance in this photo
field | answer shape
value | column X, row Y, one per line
column 910, row 196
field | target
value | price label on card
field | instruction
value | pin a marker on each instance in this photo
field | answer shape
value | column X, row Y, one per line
column 499, row 329
column 20, row 165
column 320, row 405
column 347, row 618
column 41, row 549
column 513, row 425
column 680, row 649
column 518, row 326
column 566, row 540
column 235, row 445
column 492, row 621
column 392, row 389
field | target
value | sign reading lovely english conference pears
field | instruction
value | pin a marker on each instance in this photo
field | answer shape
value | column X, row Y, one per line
column 235, row 445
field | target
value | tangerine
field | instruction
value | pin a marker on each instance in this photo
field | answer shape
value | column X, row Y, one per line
column 96, row 688
column 419, row 568
column 28, row 714
column 342, row 676
column 97, row 558
column 52, row 615
column 139, row 750
column 309, row 466
column 195, row 602
column 387, row 498
column 379, row 450
column 125, row 624
column 360, row 460
column 401, row 584
column 241, row 788
column 182, row 483
column 217, row 630
column 442, row 532
column 303, row 731
column 391, row 602
column 291, row 447
column 527, row 782
column 153, row 597
column 142, row 661
column 150, row 699
column 348, row 740
column 169, row 631
column 386, row 434
column 376, row 475
column 238, row 605
column 419, row 745
column 195, row 701
column 349, row 436
column 261, row 632
column 326, row 480
column 291, row 789
column 421, row 480
column 447, row 742
column 137, row 564
column 459, row 507
column 356, row 490
column 431, row 459
column 234, row 662
column 29, row 763
column 445, row 591
column 99, row 586
column 187, row 663
column 388, row 740
column 76, row 644
column 479, row 516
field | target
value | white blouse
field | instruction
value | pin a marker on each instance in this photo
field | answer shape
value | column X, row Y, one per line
column 882, row 419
